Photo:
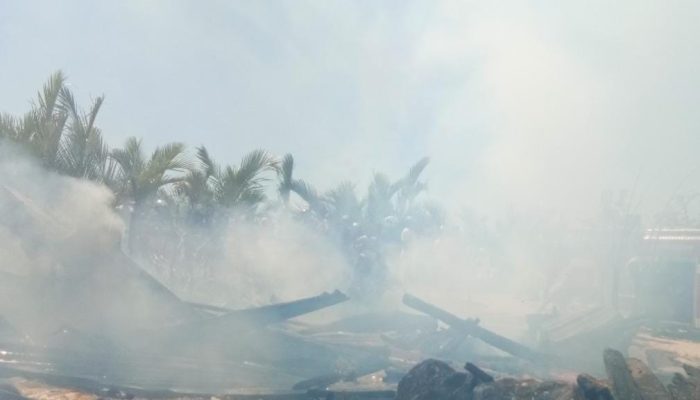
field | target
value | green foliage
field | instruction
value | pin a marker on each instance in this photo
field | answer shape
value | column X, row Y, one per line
column 244, row 185
column 286, row 179
column 62, row 137
column 387, row 208
column 141, row 178
column 209, row 187
column 158, row 187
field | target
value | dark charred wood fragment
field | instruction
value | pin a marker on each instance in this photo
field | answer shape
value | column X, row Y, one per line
column 319, row 382
column 472, row 328
column 479, row 375
column 341, row 395
column 623, row 385
column 684, row 388
column 648, row 383
column 692, row 372
column 266, row 315
column 512, row 389
column 593, row 389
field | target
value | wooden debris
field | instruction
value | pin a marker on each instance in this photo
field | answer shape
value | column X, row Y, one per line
column 593, row 389
column 254, row 318
column 472, row 328
column 319, row 382
column 630, row 379
column 434, row 380
column 479, row 375
column 685, row 387
column 692, row 372
column 623, row 385
column 513, row 389
column 647, row 383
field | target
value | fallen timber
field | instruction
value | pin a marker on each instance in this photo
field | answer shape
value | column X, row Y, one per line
column 269, row 361
column 247, row 335
column 256, row 316
column 237, row 352
column 280, row 312
column 152, row 372
column 627, row 378
column 107, row 276
column 471, row 327
column 111, row 391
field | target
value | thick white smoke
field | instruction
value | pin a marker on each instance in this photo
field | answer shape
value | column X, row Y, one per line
column 52, row 228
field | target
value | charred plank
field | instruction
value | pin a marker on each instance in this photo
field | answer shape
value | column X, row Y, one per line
column 646, row 381
column 472, row 328
column 623, row 385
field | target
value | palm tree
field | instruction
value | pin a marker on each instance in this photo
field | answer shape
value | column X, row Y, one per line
column 196, row 188
column 9, row 127
column 391, row 205
column 40, row 130
column 343, row 204
column 140, row 179
column 211, row 187
column 384, row 198
column 82, row 151
column 63, row 138
column 379, row 200
column 408, row 188
column 244, row 185
column 387, row 208
column 286, row 178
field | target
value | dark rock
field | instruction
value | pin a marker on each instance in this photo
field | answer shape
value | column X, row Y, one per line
column 684, row 388
column 479, row 375
column 692, row 372
column 512, row 389
column 435, row 380
column 422, row 379
column 594, row 389
column 458, row 386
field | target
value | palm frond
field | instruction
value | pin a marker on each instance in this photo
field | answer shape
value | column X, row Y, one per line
column 168, row 157
column 416, row 170
column 9, row 127
column 92, row 114
column 130, row 158
column 47, row 98
column 207, row 164
column 155, row 173
column 410, row 187
column 235, row 184
column 412, row 176
column 309, row 194
column 379, row 204
column 344, row 201
column 254, row 164
column 285, row 176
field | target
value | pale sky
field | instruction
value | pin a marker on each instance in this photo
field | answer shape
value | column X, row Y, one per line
column 533, row 104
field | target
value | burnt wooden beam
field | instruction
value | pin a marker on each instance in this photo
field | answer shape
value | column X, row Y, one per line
column 124, row 392
column 646, row 381
column 472, row 328
column 274, row 313
column 623, row 385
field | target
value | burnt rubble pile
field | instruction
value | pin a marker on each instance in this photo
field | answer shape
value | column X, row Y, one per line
column 138, row 338
column 627, row 379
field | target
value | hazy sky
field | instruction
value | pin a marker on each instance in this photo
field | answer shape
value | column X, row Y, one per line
column 527, row 104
